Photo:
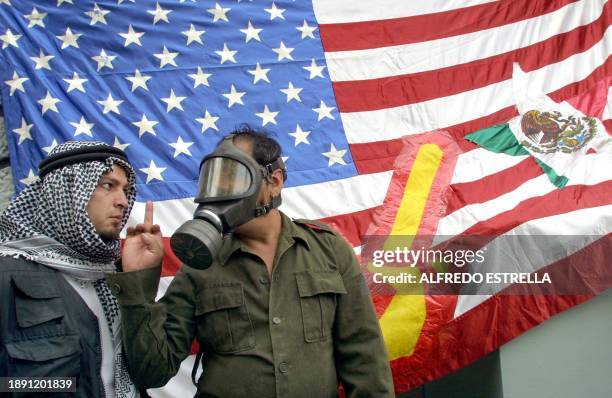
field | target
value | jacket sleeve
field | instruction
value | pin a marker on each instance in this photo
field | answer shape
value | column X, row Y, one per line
column 359, row 349
column 156, row 336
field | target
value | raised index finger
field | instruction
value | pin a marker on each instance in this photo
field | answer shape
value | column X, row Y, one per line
column 148, row 218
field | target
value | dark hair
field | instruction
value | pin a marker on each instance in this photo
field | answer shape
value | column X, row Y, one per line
column 265, row 149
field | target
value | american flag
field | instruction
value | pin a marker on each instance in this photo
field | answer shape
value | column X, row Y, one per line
column 343, row 85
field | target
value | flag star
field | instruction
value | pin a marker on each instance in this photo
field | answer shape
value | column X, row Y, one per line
column 226, row 54
column 234, row 97
column 153, row 172
column 283, row 52
column 324, row 111
column 82, row 127
column 131, row 36
column 60, row 2
column 42, row 61
column 300, row 136
column 173, row 101
column 104, row 60
column 30, row 179
column 193, row 35
column 110, row 104
column 314, row 69
column 49, row 103
column 267, row 116
column 159, row 14
column 208, row 121
column 181, row 146
column 49, row 148
column 200, row 78
column 117, row 144
column 69, row 39
column 97, row 14
column 307, row 30
column 259, row 73
column 24, row 131
column 275, row 12
column 76, row 83
column 131, row 1
column 335, row 156
column 219, row 13
column 138, row 80
column 145, row 126
column 292, row 92
column 36, row 18
column 16, row 83
column 9, row 39
column 7, row 2
column 251, row 33
column 166, row 57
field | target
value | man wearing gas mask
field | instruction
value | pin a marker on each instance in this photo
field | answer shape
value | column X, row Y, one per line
column 282, row 311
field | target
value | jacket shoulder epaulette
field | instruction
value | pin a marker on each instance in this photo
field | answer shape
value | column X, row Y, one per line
column 316, row 226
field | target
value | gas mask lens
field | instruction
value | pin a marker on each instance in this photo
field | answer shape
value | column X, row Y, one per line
column 224, row 178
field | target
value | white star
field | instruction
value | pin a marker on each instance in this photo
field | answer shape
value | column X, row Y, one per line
column 49, row 148
column 181, row 146
column 324, row 111
column 251, row 33
column 275, row 12
column 110, row 104
column 9, row 39
column 173, row 101
column 131, row 36
column 314, row 69
column 48, row 103
column 24, row 131
column 193, row 35
column 226, row 54
column 117, row 144
column 69, row 39
column 145, row 126
column 7, row 2
column 283, row 52
column 200, row 78
column 208, row 121
column 76, row 83
column 60, row 2
column 267, row 116
column 82, row 127
column 219, row 13
column 97, row 14
column 138, row 80
column 30, row 179
column 307, row 30
column 16, row 83
column 159, row 14
column 292, row 92
column 234, row 97
column 259, row 73
column 36, row 18
column 300, row 135
column 166, row 57
column 131, row 1
column 104, row 60
column 335, row 156
column 42, row 61
column 153, row 172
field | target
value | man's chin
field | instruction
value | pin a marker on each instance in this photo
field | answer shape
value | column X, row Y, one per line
column 109, row 236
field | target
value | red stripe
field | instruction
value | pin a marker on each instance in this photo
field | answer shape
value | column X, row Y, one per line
column 419, row 28
column 393, row 91
column 352, row 226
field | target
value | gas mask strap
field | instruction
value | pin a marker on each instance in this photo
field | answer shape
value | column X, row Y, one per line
column 265, row 209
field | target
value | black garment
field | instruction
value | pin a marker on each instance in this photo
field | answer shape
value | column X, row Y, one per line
column 46, row 329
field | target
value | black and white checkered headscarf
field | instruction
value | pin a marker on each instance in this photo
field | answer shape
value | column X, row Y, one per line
column 48, row 223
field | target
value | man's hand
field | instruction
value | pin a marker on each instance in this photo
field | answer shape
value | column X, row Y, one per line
column 143, row 247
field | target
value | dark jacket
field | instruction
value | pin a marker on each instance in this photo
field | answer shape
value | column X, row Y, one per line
column 46, row 329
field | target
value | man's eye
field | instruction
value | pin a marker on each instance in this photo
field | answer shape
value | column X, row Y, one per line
column 106, row 185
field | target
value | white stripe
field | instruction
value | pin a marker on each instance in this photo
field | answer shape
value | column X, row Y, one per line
column 385, row 124
column 343, row 11
column 607, row 113
column 456, row 50
column 591, row 170
column 313, row 201
column 479, row 163
column 585, row 225
column 180, row 385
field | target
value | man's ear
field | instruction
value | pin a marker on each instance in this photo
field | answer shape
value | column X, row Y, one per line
column 275, row 180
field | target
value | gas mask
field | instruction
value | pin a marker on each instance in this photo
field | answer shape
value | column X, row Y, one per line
column 227, row 195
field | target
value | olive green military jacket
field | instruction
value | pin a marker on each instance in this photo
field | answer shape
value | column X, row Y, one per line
column 295, row 334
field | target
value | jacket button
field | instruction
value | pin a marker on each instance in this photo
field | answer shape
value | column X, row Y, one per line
column 263, row 280
column 116, row 289
column 276, row 320
column 283, row 367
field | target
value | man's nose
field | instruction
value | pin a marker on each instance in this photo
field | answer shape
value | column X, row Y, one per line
column 121, row 199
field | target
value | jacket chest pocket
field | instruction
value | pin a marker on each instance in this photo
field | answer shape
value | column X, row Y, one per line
column 224, row 323
column 318, row 296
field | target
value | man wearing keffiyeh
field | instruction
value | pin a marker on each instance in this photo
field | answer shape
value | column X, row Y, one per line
column 58, row 238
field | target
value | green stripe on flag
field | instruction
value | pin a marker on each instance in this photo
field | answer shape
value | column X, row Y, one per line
column 498, row 139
